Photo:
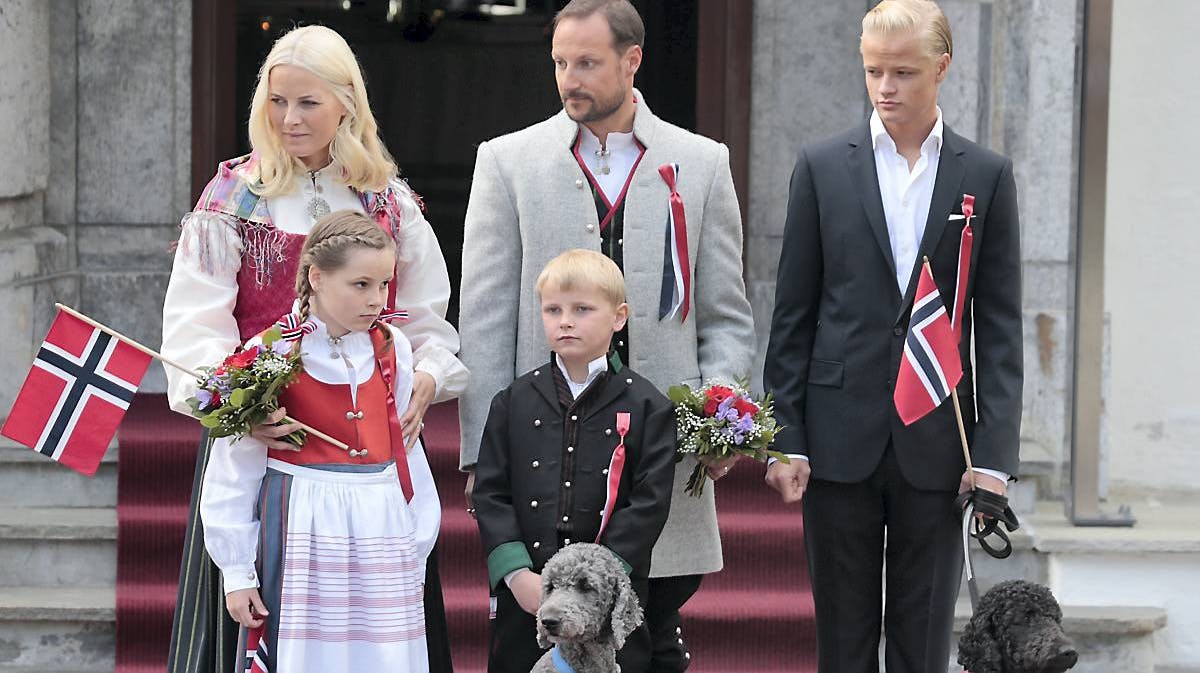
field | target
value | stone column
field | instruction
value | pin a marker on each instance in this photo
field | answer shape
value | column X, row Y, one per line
column 29, row 250
column 133, row 159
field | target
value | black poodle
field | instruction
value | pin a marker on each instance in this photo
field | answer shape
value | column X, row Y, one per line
column 1017, row 628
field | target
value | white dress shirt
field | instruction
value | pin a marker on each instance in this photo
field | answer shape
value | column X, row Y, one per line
column 198, row 324
column 623, row 152
column 236, row 467
column 906, row 193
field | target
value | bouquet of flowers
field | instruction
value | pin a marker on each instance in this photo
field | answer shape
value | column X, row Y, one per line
column 719, row 421
column 243, row 390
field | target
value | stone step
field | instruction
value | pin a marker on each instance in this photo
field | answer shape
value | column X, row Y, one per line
column 1109, row 639
column 58, row 546
column 57, row 629
column 28, row 479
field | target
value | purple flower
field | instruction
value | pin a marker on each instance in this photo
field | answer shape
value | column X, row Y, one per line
column 745, row 424
column 282, row 347
column 726, row 412
column 205, row 397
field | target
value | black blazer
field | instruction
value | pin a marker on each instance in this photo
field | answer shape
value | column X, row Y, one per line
column 839, row 324
column 521, row 493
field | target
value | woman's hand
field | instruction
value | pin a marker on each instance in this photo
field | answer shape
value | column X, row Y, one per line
column 719, row 467
column 268, row 433
column 422, row 394
column 246, row 607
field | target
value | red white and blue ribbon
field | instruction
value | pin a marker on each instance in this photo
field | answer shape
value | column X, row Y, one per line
column 391, row 314
column 677, row 274
column 965, row 244
column 292, row 328
column 615, row 467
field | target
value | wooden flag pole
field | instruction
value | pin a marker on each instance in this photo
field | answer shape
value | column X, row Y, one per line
column 159, row 356
column 962, row 436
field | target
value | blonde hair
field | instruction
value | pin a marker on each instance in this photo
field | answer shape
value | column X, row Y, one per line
column 356, row 149
column 903, row 16
column 328, row 244
column 583, row 270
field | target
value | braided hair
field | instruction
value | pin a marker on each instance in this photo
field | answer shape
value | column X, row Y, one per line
column 328, row 244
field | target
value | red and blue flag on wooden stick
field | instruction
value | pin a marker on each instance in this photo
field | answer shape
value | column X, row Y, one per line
column 76, row 393
column 930, row 366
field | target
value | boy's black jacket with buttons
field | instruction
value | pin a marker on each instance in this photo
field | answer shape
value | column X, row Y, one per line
column 543, row 469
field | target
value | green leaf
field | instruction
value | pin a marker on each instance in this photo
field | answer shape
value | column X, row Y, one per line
column 271, row 336
column 210, row 421
column 238, row 397
column 679, row 394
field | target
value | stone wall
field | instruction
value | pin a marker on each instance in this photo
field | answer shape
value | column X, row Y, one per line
column 96, row 98
column 1152, row 245
column 1012, row 87
column 35, row 259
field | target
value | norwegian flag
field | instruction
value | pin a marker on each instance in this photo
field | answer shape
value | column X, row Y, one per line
column 256, row 656
column 930, row 366
column 79, row 387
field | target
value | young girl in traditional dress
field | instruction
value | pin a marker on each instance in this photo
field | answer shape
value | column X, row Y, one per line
column 322, row 552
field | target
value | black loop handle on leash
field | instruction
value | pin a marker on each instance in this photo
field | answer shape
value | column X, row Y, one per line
column 994, row 507
column 995, row 510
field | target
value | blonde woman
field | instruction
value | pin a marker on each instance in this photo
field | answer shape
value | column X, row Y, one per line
column 316, row 149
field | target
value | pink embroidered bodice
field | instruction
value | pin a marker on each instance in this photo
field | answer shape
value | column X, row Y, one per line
column 264, row 294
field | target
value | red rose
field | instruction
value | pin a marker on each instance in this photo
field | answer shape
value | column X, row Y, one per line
column 716, row 395
column 243, row 359
column 745, row 406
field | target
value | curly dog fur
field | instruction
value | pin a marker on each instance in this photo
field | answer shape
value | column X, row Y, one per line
column 588, row 609
column 1017, row 628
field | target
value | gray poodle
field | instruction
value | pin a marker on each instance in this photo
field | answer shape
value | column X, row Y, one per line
column 1016, row 628
column 588, row 609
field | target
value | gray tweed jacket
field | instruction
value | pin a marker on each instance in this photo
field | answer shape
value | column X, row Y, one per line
column 529, row 202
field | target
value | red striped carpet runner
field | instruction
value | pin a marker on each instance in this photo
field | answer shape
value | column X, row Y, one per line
column 755, row 616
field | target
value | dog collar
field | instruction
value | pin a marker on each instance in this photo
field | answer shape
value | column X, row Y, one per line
column 560, row 662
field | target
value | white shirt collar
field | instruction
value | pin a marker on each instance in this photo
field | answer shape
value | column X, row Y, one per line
column 595, row 368
column 879, row 132
column 321, row 334
column 616, row 142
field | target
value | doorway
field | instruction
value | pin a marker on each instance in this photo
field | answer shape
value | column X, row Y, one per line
column 444, row 75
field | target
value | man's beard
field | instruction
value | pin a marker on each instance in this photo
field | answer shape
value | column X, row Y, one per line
column 601, row 108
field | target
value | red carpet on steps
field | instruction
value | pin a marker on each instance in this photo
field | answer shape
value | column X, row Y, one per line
column 755, row 616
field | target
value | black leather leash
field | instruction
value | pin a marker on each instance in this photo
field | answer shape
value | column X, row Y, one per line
column 997, row 516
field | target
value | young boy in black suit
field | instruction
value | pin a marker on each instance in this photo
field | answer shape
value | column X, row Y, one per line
column 573, row 451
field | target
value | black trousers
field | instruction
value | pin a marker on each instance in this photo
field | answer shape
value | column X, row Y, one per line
column 513, row 644
column 667, row 595
column 204, row 637
column 845, row 528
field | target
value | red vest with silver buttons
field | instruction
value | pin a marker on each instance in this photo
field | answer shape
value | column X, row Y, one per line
column 328, row 408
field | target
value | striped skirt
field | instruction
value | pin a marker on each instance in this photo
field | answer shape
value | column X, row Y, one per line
column 205, row 640
column 341, row 577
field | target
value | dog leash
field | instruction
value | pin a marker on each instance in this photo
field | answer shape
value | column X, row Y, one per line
column 996, row 511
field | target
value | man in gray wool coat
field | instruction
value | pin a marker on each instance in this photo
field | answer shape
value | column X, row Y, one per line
column 606, row 174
